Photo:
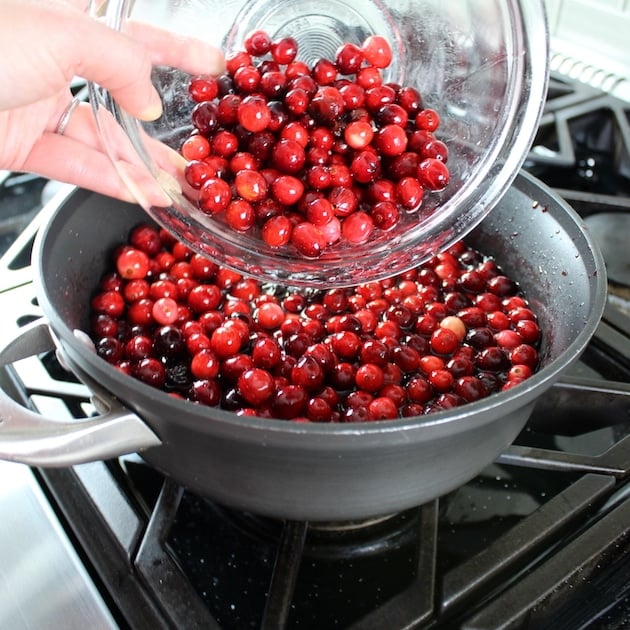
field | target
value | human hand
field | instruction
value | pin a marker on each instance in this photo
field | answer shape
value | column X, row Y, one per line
column 43, row 46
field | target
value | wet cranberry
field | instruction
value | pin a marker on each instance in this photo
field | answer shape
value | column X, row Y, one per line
column 290, row 401
column 150, row 371
column 524, row 354
column 284, row 50
column 377, row 51
column 405, row 344
column 470, row 388
column 256, row 386
column 206, row 392
column 493, row 359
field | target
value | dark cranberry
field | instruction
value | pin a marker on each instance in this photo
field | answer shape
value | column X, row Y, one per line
column 308, row 373
column 480, row 338
column 151, row 372
column 470, row 388
column 110, row 349
column 168, row 342
column 492, row 359
column 206, row 392
column 290, row 401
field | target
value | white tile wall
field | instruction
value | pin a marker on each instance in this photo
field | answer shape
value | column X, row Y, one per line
column 590, row 40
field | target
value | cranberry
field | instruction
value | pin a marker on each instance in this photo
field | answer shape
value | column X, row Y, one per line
column 433, row 338
column 284, row 50
column 205, row 117
column 257, row 43
column 308, row 239
column 391, row 140
column 215, row 195
column 349, row 58
column 204, row 364
column 283, row 115
column 290, row 401
column 108, row 303
column 433, row 174
column 324, row 72
column 206, row 392
column 427, row 119
column 470, row 388
column 203, row 89
column 528, row 330
column 358, row 227
column 110, row 349
column 132, row 263
column 276, row 231
column 287, row 189
column 377, row 51
column 150, row 371
column 524, row 354
column 256, row 386
column 358, row 134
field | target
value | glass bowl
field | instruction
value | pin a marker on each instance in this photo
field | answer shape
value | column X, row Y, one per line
column 483, row 66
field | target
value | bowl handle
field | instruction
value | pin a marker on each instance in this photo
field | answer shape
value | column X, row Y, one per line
column 36, row 440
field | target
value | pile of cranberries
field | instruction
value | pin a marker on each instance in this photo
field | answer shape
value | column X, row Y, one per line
column 449, row 332
column 306, row 157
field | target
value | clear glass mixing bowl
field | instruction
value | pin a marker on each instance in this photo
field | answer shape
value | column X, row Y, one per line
column 482, row 65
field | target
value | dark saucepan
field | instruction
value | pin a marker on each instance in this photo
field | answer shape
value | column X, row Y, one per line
column 321, row 471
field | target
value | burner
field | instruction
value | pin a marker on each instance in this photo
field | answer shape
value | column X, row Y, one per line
column 583, row 142
column 611, row 231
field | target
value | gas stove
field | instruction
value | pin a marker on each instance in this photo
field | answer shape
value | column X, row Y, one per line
column 538, row 540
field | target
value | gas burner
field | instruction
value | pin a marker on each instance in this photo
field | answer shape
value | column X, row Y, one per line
column 17, row 192
column 611, row 231
column 583, row 141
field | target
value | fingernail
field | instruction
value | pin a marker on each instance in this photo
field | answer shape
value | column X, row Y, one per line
column 206, row 59
column 178, row 161
column 154, row 109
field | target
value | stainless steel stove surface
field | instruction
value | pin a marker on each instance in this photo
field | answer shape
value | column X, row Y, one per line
column 538, row 540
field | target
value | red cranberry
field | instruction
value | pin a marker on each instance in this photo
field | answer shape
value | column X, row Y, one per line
column 204, row 332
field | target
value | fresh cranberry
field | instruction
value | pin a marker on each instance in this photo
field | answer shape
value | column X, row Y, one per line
column 203, row 88
column 150, row 371
column 524, row 354
column 256, row 386
column 132, row 263
column 430, row 339
column 470, row 388
column 308, row 239
column 377, row 51
column 427, row 119
column 205, row 117
column 257, row 43
column 433, row 174
column 284, row 50
column 215, row 195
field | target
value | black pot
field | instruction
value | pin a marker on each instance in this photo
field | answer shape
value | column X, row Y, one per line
column 297, row 470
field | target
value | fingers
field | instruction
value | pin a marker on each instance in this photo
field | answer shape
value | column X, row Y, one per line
column 68, row 160
column 78, row 157
column 122, row 62
column 119, row 64
column 189, row 54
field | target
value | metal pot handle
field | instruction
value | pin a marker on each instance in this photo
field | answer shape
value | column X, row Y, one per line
column 36, row 440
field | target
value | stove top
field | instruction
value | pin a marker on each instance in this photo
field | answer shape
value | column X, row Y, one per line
column 538, row 540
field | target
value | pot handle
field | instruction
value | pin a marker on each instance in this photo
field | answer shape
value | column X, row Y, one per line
column 31, row 438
